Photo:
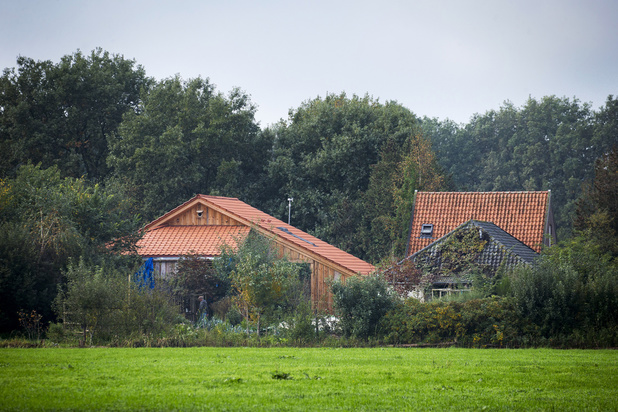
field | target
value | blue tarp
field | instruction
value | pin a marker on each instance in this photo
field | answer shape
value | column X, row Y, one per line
column 144, row 277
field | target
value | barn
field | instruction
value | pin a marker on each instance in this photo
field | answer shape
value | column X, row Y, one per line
column 203, row 224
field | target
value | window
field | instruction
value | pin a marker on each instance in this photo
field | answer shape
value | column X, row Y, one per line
column 427, row 230
column 286, row 230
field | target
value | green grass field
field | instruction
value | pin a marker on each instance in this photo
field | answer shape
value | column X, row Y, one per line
column 307, row 379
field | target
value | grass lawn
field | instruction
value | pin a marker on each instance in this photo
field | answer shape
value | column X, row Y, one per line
column 307, row 379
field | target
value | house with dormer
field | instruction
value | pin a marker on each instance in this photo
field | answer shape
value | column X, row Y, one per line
column 509, row 228
column 203, row 224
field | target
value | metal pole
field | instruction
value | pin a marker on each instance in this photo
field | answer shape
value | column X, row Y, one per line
column 290, row 200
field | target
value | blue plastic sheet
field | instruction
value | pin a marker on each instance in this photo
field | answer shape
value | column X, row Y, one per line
column 144, row 277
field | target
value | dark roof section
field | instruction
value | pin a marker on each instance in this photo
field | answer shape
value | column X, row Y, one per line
column 286, row 230
column 507, row 241
column 501, row 247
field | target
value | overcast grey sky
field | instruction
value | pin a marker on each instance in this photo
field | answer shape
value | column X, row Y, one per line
column 445, row 59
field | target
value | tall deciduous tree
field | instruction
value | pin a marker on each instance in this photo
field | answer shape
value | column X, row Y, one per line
column 402, row 170
column 550, row 143
column 62, row 113
column 185, row 139
column 44, row 221
column 597, row 208
column 324, row 157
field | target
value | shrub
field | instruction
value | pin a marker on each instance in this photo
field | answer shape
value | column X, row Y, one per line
column 571, row 290
column 102, row 305
column 265, row 287
column 360, row 304
column 478, row 322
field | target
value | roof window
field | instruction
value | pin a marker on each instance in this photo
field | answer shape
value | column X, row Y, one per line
column 286, row 230
column 427, row 230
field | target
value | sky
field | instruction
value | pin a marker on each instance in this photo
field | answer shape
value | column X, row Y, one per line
column 439, row 58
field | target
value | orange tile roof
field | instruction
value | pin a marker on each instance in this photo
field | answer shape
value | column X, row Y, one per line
column 523, row 215
column 171, row 241
column 252, row 217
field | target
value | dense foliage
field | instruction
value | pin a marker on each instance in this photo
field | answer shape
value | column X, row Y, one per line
column 62, row 114
column 571, row 294
column 186, row 138
column 548, row 144
column 477, row 322
column 360, row 303
column 352, row 165
column 45, row 220
column 266, row 288
column 105, row 306
column 597, row 208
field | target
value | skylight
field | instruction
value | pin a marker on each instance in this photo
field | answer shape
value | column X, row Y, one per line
column 427, row 230
column 284, row 229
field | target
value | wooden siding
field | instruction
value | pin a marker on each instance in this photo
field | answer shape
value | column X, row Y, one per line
column 209, row 216
column 322, row 275
column 164, row 269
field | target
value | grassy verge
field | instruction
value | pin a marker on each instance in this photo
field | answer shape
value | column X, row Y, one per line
column 307, row 379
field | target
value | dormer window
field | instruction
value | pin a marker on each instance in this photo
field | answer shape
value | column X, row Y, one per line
column 427, row 230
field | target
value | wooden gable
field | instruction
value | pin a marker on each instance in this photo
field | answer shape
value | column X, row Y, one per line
column 327, row 262
column 199, row 214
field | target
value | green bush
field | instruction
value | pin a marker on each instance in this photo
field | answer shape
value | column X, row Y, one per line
column 103, row 305
column 571, row 294
column 58, row 334
column 360, row 304
column 478, row 322
column 302, row 325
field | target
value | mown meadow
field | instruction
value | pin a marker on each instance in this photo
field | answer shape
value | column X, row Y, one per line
column 208, row 378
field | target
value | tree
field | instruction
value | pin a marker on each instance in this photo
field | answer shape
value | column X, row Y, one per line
column 326, row 156
column 62, row 114
column 44, row 221
column 597, row 208
column 195, row 275
column 263, row 283
column 550, row 143
column 187, row 139
column 388, row 201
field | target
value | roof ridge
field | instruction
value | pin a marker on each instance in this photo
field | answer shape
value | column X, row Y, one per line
column 217, row 197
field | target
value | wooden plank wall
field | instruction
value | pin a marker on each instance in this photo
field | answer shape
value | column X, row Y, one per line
column 209, row 217
column 321, row 277
column 164, row 269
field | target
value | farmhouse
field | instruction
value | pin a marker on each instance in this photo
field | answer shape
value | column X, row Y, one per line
column 205, row 223
column 473, row 248
column 503, row 229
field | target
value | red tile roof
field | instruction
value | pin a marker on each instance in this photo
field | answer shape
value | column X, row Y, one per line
column 523, row 215
column 171, row 241
column 252, row 217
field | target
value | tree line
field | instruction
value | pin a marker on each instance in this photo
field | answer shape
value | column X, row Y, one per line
column 93, row 148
